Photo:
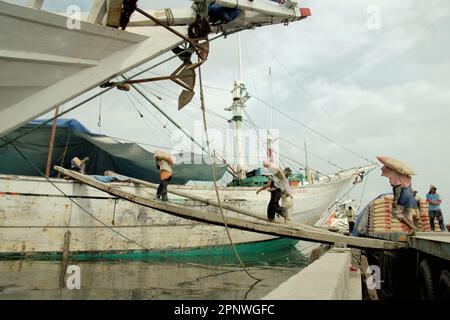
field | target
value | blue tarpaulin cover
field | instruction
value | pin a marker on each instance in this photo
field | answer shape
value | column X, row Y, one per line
column 105, row 153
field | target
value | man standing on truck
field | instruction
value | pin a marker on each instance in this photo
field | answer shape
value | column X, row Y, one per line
column 434, row 209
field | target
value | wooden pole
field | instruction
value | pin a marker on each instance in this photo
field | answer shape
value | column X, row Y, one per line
column 372, row 293
column 50, row 146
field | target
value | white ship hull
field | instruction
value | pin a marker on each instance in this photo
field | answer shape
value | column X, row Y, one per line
column 35, row 216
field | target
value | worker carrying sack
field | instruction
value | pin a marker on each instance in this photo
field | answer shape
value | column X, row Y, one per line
column 161, row 155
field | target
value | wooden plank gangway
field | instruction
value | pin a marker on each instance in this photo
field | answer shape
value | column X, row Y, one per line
column 289, row 230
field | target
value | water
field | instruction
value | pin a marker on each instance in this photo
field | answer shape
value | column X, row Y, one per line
column 203, row 278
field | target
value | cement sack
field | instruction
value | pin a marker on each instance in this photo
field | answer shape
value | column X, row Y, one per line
column 396, row 165
column 161, row 155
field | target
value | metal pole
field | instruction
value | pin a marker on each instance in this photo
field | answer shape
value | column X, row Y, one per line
column 50, row 146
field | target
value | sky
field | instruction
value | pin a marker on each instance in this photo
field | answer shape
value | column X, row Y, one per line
column 372, row 76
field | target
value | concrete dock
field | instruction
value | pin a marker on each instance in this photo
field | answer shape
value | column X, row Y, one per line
column 327, row 278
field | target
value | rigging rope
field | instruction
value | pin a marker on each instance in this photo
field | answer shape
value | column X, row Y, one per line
column 213, row 172
column 63, row 156
column 134, row 105
column 99, row 123
column 145, row 120
column 364, row 189
column 248, row 117
column 348, row 191
column 163, row 125
column 313, row 154
column 310, row 95
column 317, row 132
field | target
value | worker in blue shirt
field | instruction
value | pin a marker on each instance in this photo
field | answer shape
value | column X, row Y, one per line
column 434, row 209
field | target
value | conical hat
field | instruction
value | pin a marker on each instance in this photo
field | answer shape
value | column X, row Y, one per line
column 397, row 165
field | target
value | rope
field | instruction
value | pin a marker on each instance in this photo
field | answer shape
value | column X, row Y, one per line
column 63, row 156
column 313, row 154
column 169, row 15
column 317, row 132
column 213, row 172
column 250, row 120
column 201, row 8
column 99, row 123
column 134, row 105
column 163, row 125
column 255, row 127
column 366, row 174
column 364, row 189
column 174, row 97
column 310, row 95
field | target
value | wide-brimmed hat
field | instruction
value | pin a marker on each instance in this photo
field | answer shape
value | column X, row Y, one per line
column 396, row 165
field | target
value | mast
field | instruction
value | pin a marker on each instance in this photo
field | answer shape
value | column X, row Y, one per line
column 269, row 129
column 307, row 171
column 240, row 96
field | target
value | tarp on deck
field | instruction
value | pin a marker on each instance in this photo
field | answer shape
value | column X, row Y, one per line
column 105, row 153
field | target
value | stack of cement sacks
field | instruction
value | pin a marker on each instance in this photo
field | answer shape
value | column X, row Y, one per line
column 424, row 217
column 380, row 219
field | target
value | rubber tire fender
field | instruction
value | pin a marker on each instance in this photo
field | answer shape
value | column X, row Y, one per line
column 444, row 285
column 426, row 285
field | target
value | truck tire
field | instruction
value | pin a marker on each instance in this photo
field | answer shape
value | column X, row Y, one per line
column 426, row 285
column 444, row 285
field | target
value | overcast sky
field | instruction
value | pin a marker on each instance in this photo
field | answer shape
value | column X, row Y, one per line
column 376, row 91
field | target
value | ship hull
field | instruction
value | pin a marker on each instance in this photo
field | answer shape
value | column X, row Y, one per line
column 38, row 219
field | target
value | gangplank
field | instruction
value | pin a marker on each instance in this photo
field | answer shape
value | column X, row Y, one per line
column 252, row 224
